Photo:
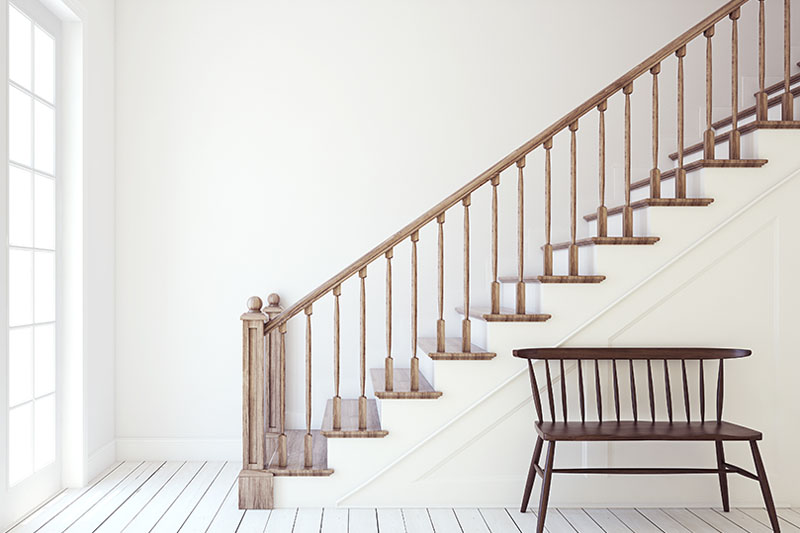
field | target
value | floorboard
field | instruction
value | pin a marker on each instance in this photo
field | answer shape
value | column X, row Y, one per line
column 208, row 506
column 722, row 523
column 391, row 521
column 444, row 521
column 608, row 521
column 281, row 521
column 365, row 520
column 417, row 520
column 471, row 521
column 761, row 515
column 636, row 521
column 581, row 521
column 158, row 505
column 690, row 521
column 665, row 522
column 499, row 521
column 178, row 511
column 334, row 520
column 229, row 516
column 254, row 521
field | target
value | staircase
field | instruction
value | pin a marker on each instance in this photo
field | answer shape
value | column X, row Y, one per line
column 455, row 428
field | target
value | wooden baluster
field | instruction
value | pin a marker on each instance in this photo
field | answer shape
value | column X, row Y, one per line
column 702, row 393
column 597, row 391
column 253, row 389
column 414, row 359
column 550, row 391
column 668, row 389
column 440, row 322
column 389, row 363
column 573, row 193
column 537, row 400
column 627, row 211
column 337, row 398
column 520, row 307
column 466, row 331
column 762, row 105
column 616, row 388
column 735, row 137
column 680, row 172
column 720, row 389
column 283, row 452
column 495, row 291
column 362, row 400
column 602, row 211
column 563, row 390
column 709, row 139
column 651, row 391
column 548, row 247
column 580, row 390
column 634, row 405
column 655, row 173
column 686, row 405
column 787, row 100
column 308, row 444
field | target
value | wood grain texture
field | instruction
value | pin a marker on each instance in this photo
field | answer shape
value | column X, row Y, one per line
column 655, row 172
column 708, row 163
column 255, row 489
column 656, row 202
column 505, row 315
column 609, row 241
column 628, row 430
column 453, row 351
column 296, row 455
column 349, row 426
column 734, row 139
column 253, row 385
column 402, row 386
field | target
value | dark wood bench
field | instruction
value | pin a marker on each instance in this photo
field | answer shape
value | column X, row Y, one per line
column 593, row 363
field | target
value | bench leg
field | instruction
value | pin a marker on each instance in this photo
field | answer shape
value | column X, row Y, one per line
column 762, row 480
column 526, row 496
column 548, row 476
column 723, row 476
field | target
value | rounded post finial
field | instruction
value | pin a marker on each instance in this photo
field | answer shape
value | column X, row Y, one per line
column 254, row 304
column 273, row 300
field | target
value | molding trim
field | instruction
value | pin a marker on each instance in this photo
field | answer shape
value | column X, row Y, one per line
column 166, row 449
column 100, row 460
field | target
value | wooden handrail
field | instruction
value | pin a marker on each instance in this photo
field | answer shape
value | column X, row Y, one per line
column 507, row 162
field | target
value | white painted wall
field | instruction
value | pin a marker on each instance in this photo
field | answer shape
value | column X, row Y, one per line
column 262, row 146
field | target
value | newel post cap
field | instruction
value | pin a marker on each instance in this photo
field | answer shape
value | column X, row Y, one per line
column 273, row 307
column 254, row 304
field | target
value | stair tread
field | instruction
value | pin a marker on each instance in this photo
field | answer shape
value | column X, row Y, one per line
column 608, row 241
column 402, row 386
column 553, row 279
column 772, row 101
column 505, row 315
column 349, row 424
column 453, row 350
column 703, row 163
column 655, row 202
column 295, row 442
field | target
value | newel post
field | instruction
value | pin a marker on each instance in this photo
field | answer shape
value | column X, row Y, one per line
column 255, row 484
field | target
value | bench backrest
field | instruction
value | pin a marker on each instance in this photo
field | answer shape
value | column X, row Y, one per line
column 687, row 361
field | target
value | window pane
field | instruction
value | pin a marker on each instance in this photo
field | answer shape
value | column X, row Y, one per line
column 20, row 365
column 45, row 360
column 44, row 138
column 45, row 432
column 20, row 207
column 44, row 65
column 45, row 287
column 19, row 47
column 20, row 287
column 45, row 224
column 20, row 443
column 19, row 126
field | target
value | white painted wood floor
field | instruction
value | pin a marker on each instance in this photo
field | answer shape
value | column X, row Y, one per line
column 197, row 496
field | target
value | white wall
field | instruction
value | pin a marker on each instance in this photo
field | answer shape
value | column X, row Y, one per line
column 262, row 146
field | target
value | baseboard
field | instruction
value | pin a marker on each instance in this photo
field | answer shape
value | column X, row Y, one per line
column 165, row 449
column 101, row 459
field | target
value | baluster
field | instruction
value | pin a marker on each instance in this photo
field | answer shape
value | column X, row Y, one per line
column 668, row 389
column 627, row 211
column 702, row 393
column 573, row 206
column 550, row 391
column 495, row 284
column 537, row 400
column 655, row 173
column 602, row 211
column 362, row 400
column 283, row 452
column 580, row 390
column 709, row 139
column 762, row 105
column 440, row 321
column 720, row 389
column 520, row 238
column 651, row 391
column 563, row 390
column 680, row 172
column 466, row 332
column 597, row 391
column 414, row 359
column 616, row 388
column 307, row 441
column 389, row 365
column 634, row 405
column 548, row 247
column 337, row 398
column 787, row 100
column 735, row 138
column 686, row 405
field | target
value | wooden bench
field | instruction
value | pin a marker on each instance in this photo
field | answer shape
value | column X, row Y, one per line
column 603, row 365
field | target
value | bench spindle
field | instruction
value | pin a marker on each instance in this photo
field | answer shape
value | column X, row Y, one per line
column 686, row 406
column 537, row 400
column 668, row 390
column 563, row 390
column 616, row 388
column 702, row 393
column 634, row 407
column 580, row 390
column 651, row 391
column 550, row 392
column 597, row 389
column 720, row 389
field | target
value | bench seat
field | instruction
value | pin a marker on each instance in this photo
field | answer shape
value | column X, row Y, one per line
column 652, row 431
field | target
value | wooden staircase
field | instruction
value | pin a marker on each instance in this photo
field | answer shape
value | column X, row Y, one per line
column 270, row 449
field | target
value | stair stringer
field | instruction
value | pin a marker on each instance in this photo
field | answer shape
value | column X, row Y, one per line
column 414, row 424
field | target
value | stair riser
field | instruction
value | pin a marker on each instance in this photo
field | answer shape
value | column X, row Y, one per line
column 508, row 294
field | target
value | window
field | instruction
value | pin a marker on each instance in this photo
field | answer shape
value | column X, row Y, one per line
column 32, row 181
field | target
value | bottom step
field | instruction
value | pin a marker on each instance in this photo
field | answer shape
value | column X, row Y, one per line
column 295, row 447
column 349, row 429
